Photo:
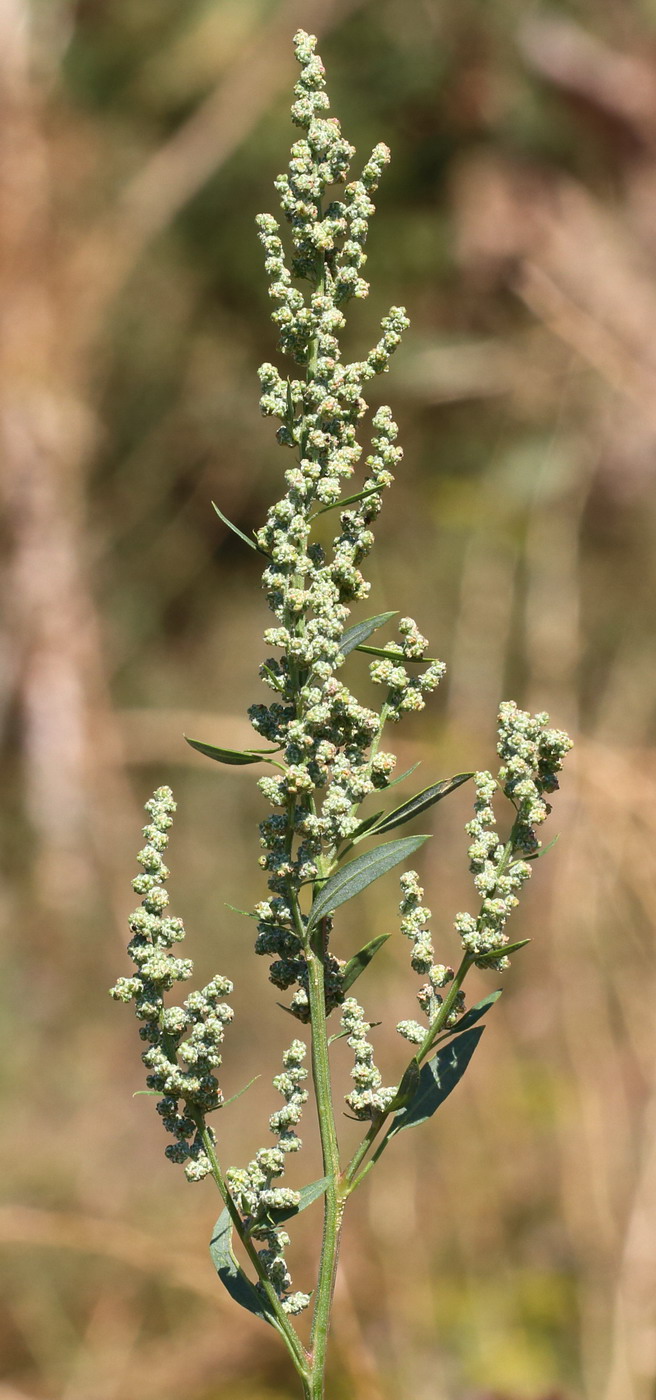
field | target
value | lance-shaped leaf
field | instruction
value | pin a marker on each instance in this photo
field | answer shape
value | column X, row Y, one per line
column 240, row 534
column 408, row 771
column 231, row 1273
column 537, row 855
column 357, row 874
column 437, row 1079
column 356, row 965
column 474, row 1014
column 232, row 756
column 395, row 654
column 357, row 634
column 419, row 803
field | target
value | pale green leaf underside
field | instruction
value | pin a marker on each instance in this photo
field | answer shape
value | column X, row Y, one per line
column 231, row 1273
column 437, row 1079
column 357, row 874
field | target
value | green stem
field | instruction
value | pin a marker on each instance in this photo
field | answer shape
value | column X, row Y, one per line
column 282, row 1322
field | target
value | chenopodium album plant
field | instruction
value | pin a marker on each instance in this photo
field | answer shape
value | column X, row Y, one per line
column 324, row 749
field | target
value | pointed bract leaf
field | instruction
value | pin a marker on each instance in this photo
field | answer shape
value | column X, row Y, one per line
column 436, row 1080
column 537, row 855
column 236, row 531
column 240, row 1091
column 361, row 630
column 357, row 874
column 503, row 952
column 350, row 500
column 356, row 965
column 395, row 654
column 474, row 1014
column 419, row 803
column 401, row 776
column 232, row 756
column 231, row 1273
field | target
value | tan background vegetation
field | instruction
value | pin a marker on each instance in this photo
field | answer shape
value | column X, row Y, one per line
column 509, row 1249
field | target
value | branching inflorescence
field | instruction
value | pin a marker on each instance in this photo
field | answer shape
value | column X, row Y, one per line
column 326, row 756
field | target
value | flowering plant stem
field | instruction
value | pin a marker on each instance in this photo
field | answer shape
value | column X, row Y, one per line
column 324, row 748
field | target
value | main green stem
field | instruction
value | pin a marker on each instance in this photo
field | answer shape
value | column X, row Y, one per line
column 335, row 1197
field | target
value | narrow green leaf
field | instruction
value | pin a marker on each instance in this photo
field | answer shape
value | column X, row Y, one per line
column 357, row 874
column 391, row 654
column 247, row 913
column 537, row 855
column 308, row 1194
column 474, row 1014
column 240, row 534
column 401, row 776
column 356, row 965
column 231, row 1273
column 240, row 1091
column 349, row 500
column 407, row 1088
column 503, row 952
column 436, row 1080
column 361, row 630
column 147, row 1093
column 420, row 802
column 364, row 827
column 237, row 757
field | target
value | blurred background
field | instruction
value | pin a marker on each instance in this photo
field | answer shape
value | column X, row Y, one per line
column 508, row 1252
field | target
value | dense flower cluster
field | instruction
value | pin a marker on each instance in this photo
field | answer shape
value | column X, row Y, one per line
column 368, row 1097
column 415, row 925
column 253, row 1190
column 531, row 757
column 190, row 1090
column 328, row 740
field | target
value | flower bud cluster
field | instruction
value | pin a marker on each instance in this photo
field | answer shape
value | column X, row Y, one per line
column 191, row 1033
column 368, row 1098
column 415, row 925
column 406, row 692
column 325, row 736
column 252, row 1188
column 531, row 756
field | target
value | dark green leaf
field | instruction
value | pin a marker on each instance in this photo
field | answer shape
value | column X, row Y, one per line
column 426, row 798
column 391, row 654
column 232, row 1275
column 474, row 1014
column 361, row 630
column 357, row 874
column 308, row 1194
column 436, row 1080
column 356, row 965
column 236, row 531
column 407, row 1088
column 233, row 756
column 503, row 952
